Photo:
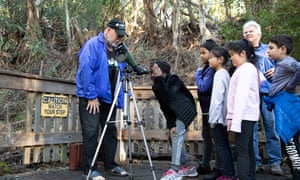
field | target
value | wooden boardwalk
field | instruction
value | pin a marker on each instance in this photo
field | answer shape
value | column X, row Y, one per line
column 141, row 171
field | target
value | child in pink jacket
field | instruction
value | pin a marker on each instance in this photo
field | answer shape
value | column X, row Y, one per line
column 243, row 105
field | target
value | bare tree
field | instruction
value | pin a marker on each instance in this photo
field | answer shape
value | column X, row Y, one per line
column 32, row 25
column 150, row 19
column 68, row 29
column 204, row 32
column 176, row 28
column 227, row 9
column 175, row 23
column 134, row 16
column 193, row 21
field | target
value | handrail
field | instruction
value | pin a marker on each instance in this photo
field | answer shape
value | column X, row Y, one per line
column 35, row 83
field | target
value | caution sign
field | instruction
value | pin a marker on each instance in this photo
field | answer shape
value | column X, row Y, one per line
column 54, row 105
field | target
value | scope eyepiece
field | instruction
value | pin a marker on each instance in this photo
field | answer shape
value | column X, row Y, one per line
column 140, row 70
column 123, row 54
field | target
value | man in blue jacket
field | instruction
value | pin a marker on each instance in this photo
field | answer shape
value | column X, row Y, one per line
column 252, row 32
column 98, row 76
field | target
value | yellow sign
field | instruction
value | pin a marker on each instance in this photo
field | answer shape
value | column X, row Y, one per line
column 54, row 105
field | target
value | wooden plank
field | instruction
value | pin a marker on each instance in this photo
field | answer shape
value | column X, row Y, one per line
column 148, row 123
column 159, row 135
column 73, row 120
column 30, row 82
column 37, row 120
column 47, row 154
column 27, row 155
column 145, row 92
column 63, row 153
column 34, row 139
column 155, row 115
column 55, row 153
column 64, row 124
column 36, row 154
column 47, row 125
column 29, row 111
column 56, row 124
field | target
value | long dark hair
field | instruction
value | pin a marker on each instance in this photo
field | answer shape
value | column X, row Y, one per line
column 243, row 45
column 223, row 52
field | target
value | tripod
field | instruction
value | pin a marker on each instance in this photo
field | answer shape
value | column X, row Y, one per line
column 127, row 85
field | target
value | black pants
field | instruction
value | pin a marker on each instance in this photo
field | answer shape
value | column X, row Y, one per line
column 292, row 149
column 245, row 151
column 223, row 150
column 90, row 133
column 207, row 141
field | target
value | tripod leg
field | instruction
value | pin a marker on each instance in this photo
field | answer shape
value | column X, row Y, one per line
column 103, row 131
column 126, row 117
column 142, row 132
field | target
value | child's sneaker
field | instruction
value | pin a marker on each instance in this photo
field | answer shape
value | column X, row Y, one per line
column 188, row 171
column 171, row 175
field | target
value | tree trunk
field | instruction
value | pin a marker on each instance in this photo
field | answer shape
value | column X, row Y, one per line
column 150, row 19
column 193, row 22
column 204, row 32
column 78, row 34
column 227, row 9
column 123, row 12
column 68, row 29
column 134, row 16
column 175, row 23
column 176, row 28
column 32, row 25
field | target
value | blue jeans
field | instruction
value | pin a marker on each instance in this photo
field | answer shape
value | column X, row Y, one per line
column 273, row 141
column 223, row 149
column 179, row 155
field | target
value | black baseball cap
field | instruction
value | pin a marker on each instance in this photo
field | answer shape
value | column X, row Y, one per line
column 119, row 26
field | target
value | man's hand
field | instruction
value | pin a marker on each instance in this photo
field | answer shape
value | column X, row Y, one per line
column 93, row 106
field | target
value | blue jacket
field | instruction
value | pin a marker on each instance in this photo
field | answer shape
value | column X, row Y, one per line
column 264, row 64
column 287, row 113
column 92, row 78
column 204, row 80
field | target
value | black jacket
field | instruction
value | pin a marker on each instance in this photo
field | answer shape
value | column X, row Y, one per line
column 175, row 100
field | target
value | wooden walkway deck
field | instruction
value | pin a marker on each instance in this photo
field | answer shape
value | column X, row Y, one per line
column 140, row 171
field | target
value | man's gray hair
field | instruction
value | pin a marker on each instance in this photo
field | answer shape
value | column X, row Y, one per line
column 252, row 24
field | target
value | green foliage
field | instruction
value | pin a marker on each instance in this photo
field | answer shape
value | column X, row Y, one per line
column 4, row 169
column 12, row 21
column 36, row 47
column 277, row 18
column 52, row 72
column 91, row 14
column 20, row 116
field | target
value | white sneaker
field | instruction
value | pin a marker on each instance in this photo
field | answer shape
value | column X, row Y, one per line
column 188, row 171
column 171, row 175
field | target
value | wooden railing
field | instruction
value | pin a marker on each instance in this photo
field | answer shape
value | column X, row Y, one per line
column 47, row 139
column 44, row 139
